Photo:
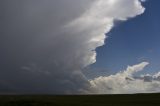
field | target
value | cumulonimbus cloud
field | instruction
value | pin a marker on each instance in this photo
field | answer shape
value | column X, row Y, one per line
column 45, row 44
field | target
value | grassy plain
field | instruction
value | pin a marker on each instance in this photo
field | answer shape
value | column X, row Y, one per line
column 81, row 100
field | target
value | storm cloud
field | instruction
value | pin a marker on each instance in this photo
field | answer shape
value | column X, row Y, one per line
column 45, row 44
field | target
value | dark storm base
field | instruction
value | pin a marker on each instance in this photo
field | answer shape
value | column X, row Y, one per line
column 81, row 100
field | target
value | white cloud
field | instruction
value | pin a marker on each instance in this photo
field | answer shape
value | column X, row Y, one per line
column 125, row 82
column 59, row 37
column 133, row 69
column 91, row 26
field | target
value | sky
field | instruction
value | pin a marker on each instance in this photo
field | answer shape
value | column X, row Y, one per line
column 133, row 41
column 79, row 46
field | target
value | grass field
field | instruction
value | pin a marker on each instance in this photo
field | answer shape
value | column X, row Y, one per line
column 82, row 100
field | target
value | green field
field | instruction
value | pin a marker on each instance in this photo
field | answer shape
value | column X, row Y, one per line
column 81, row 100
